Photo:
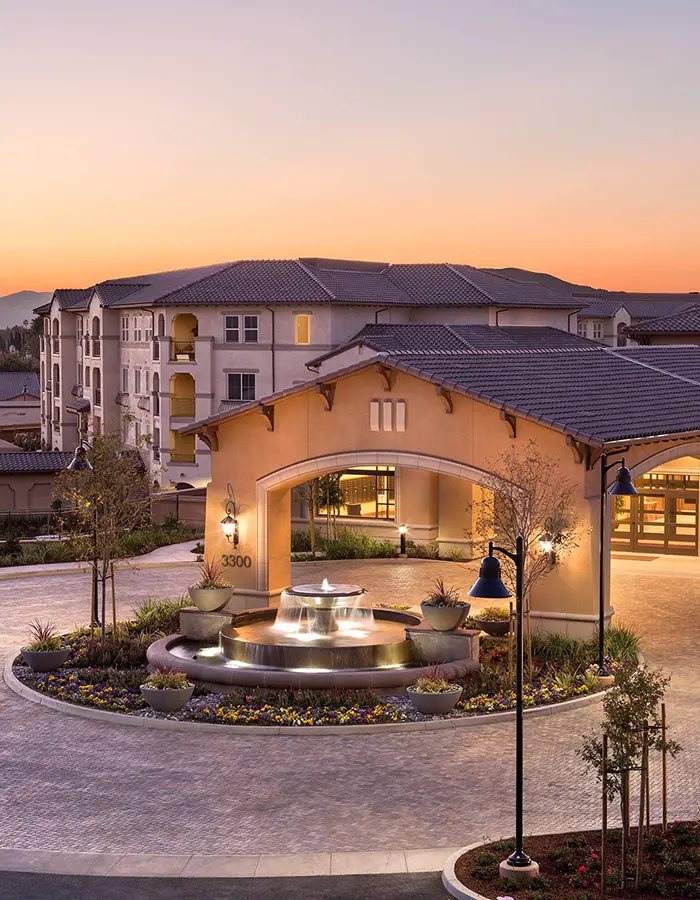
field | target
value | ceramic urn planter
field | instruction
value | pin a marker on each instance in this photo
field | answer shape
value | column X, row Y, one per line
column 168, row 699
column 434, row 704
column 444, row 618
column 210, row 599
column 45, row 660
column 494, row 628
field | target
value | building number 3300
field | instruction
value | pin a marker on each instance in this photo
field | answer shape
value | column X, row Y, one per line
column 236, row 561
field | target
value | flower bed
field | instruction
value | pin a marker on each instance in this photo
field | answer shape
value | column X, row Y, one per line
column 570, row 867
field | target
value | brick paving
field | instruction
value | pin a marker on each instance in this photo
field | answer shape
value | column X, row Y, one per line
column 73, row 784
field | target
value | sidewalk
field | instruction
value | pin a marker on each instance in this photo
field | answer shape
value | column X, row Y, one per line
column 172, row 555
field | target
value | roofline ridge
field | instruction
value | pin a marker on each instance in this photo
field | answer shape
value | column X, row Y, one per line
column 162, row 297
column 645, row 365
column 458, row 336
column 476, row 287
column 320, row 284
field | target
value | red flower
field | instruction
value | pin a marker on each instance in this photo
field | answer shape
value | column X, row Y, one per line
column 582, row 868
column 594, row 856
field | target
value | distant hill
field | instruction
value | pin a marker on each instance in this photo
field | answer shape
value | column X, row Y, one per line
column 15, row 308
column 550, row 281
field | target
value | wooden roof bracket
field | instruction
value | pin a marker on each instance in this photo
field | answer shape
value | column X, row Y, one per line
column 582, row 452
column 446, row 396
column 327, row 391
column 511, row 421
column 386, row 374
column 210, row 436
column 268, row 410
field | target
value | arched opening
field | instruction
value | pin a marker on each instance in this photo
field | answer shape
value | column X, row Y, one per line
column 182, row 396
column 183, row 334
column 95, row 336
column 156, row 394
column 621, row 336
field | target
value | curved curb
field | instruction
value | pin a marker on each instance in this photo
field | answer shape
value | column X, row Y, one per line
column 114, row 718
column 81, row 569
column 452, row 884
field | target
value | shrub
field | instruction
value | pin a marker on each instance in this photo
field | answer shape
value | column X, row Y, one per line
column 509, row 885
column 494, row 614
column 680, row 868
column 541, row 883
column 652, row 884
column 153, row 616
column 486, row 859
column 482, row 873
column 422, row 551
column 349, row 544
column 11, row 547
column 577, row 841
column 167, row 681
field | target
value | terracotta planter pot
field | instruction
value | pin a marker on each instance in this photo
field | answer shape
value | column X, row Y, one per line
column 45, row 660
column 169, row 700
column 444, row 618
column 495, row 629
column 210, row 599
column 434, row 704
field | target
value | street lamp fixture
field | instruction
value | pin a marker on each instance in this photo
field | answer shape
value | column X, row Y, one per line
column 622, row 487
column 489, row 586
column 81, row 463
column 403, row 530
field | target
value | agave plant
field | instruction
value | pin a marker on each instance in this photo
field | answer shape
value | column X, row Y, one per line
column 443, row 596
column 210, row 575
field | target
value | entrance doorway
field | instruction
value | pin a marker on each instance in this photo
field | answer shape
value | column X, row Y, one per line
column 662, row 518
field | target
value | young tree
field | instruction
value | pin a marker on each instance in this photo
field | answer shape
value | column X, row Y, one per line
column 106, row 502
column 527, row 494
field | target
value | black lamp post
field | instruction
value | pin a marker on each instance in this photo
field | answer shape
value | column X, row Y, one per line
column 489, row 586
column 623, row 487
column 402, row 539
column 81, row 463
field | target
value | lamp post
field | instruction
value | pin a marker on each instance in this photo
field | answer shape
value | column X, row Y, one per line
column 489, row 586
column 623, row 487
column 402, row 539
column 81, row 463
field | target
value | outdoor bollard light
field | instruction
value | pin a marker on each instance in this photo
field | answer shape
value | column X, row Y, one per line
column 402, row 533
column 623, row 487
column 489, row 586
column 81, row 463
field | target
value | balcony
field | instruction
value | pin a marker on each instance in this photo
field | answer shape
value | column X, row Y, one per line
column 144, row 403
column 181, row 351
column 77, row 390
column 182, row 407
column 179, row 456
column 122, row 399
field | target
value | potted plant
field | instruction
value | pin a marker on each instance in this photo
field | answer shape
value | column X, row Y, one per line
column 442, row 608
column 166, row 691
column 211, row 592
column 46, row 650
column 434, row 695
column 494, row 620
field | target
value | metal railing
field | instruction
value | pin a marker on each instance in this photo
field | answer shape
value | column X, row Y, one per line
column 181, row 351
column 178, row 456
column 182, row 407
column 122, row 399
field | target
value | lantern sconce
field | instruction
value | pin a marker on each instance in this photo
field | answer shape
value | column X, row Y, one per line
column 548, row 539
column 230, row 521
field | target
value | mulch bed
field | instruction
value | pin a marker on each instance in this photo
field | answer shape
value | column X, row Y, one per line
column 570, row 866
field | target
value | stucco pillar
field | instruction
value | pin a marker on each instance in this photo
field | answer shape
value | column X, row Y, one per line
column 455, row 497
column 417, row 505
column 279, row 512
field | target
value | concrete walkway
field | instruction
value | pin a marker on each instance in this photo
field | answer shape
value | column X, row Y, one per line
column 75, row 786
column 170, row 555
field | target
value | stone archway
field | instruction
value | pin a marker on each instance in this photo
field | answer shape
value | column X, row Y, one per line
column 296, row 473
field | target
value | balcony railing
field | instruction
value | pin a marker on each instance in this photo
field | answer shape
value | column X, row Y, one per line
column 182, row 407
column 181, row 351
column 122, row 399
column 144, row 403
column 178, row 456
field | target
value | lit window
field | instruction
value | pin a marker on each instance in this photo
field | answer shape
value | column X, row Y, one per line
column 125, row 328
column 250, row 329
column 302, row 327
column 241, row 386
column 232, row 332
column 583, row 329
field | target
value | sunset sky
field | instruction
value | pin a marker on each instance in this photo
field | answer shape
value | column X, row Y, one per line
column 555, row 135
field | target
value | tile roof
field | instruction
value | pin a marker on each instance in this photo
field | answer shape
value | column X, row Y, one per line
column 72, row 298
column 639, row 306
column 684, row 322
column 597, row 395
column 35, row 461
column 456, row 339
column 13, row 385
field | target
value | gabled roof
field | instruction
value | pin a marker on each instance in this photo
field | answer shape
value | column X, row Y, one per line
column 638, row 305
column 34, row 461
column 410, row 339
column 14, row 384
column 685, row 322
column 598, row 396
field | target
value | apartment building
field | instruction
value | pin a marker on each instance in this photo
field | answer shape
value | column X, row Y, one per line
column 153, row 353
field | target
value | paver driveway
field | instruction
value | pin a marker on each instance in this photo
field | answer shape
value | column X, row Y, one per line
column 73, row 784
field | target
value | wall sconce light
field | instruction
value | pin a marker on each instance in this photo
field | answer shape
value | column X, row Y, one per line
column 230, row 523
column 548, row 540
column 403, row 529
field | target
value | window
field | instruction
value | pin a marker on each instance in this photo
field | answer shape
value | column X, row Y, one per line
column 79, row 329
column 583, row 329
column 137, row 432
column 148, row 381
column 621, row 336
column 138, row 320
column 56, row 379
column 156, row 443
column 125, row 379
column 302, row 327
column 597, row 331
column 148, row 327
column 95, row 336
column 87, row 376
column 55, row 342
column 241, row 386
column 250, row 329
column 367, row 493
column 232, row 333
column 125, row 328
column 97, row 387
column 156, row 394
column 80, row 375
column 137, row 381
